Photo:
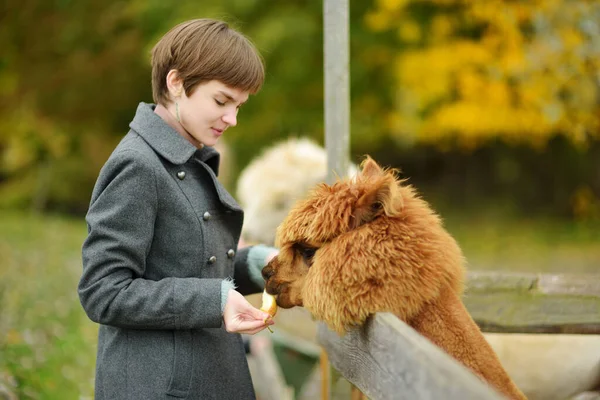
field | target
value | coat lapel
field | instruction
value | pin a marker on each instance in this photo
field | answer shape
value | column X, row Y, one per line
column 177, row 150
column 209, row 159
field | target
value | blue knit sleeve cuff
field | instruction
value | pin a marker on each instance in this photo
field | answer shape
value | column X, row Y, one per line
column 257, row 257
column 226, row 284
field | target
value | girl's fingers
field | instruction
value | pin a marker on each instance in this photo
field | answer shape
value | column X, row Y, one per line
column 246, row 326
column 254, row 332
column 253, row 327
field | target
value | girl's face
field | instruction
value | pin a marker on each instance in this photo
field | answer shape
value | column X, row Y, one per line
column 209, row 110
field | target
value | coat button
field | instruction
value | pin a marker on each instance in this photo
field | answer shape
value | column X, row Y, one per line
column 206, row 216
column 212, row 260
column 181, row 175
column 230, row 253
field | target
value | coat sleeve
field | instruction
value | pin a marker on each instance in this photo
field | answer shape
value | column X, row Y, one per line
column 120, row 230
column 249, row 263
column 243, row 275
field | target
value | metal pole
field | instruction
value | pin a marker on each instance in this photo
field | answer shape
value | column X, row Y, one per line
column 336, row 51
column 337, row 87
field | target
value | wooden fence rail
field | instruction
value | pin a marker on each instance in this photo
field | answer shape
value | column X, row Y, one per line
column 387, row 359
column 534, row 303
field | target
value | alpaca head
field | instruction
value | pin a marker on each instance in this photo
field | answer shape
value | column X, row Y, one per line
column 361, row 246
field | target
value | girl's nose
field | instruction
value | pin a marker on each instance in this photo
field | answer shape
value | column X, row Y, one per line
column 230, row 118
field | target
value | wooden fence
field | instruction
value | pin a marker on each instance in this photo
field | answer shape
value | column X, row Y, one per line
column 534, row 303
column 386, row 359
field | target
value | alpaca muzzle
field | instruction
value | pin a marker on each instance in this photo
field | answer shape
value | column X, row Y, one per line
column 268, row 274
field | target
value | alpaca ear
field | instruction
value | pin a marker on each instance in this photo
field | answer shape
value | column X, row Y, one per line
column 380, row 194
column 370, row 169
column 377, row 200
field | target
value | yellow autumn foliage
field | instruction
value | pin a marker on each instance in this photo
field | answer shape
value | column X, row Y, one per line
column 520, row 71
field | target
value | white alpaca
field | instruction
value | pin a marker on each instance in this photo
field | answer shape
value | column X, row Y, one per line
column 544, row 367
column 271, row 184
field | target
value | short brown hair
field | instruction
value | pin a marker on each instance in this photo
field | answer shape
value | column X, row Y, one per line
column 202, row 50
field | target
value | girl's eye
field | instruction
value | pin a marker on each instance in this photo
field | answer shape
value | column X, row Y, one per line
column 219, row 103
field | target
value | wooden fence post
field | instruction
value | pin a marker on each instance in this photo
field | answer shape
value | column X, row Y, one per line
column 337, row 87
column 336, row 57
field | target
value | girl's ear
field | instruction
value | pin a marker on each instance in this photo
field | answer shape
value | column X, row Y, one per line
column 174, row 84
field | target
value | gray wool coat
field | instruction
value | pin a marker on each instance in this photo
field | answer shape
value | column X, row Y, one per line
column 162, row 236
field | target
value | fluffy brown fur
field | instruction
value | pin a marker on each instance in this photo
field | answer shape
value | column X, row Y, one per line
column 368, row 245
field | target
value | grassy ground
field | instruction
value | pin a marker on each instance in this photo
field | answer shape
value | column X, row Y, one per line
column 496, row 242
column 47, row 344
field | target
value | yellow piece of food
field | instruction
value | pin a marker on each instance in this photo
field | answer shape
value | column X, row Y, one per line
column 268, row 304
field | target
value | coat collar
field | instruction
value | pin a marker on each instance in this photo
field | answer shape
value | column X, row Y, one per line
column 167, row 142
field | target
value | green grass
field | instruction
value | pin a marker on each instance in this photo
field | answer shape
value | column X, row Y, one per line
column 494, row 241
column 48, row 346
column 296, row 367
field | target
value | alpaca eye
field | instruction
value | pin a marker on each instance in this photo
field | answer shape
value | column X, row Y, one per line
column 306, row 252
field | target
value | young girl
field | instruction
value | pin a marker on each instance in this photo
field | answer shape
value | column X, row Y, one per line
column 161, row 258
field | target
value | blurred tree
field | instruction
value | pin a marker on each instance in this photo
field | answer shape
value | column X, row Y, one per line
column 427, row 77
column 69, row 72
column 471, row 70
column 483, row 94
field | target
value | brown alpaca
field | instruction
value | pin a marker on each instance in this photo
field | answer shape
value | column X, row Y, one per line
column 368, row 245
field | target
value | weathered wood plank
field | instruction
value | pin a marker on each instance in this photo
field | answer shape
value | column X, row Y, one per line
column 336, row 57
column 387, row 359
column 579, row 285
column 534, row 303
column 497, row 281
column 573, row 284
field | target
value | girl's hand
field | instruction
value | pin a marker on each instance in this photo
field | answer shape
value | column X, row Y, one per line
column 241, row 317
